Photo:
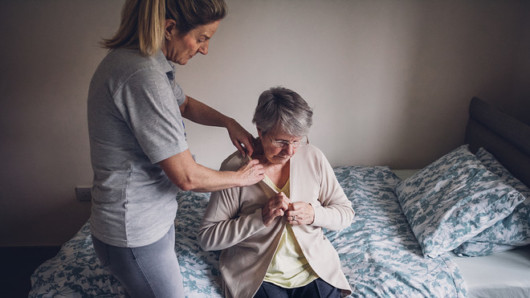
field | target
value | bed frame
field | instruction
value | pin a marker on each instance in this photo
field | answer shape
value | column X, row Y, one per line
column 500, row 134
column 505, row 137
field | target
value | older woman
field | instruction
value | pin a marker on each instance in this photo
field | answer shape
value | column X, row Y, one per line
column 270, row 233
column 139, row 152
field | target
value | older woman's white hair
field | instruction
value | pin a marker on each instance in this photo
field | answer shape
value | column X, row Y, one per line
column 282, row 108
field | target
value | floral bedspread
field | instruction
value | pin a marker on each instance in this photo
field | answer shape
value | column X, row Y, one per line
column 379, row 253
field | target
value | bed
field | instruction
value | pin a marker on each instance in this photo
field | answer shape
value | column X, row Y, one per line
column 396, row 245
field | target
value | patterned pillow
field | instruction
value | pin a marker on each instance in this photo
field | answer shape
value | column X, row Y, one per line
column 508, row 233
column 453, row 199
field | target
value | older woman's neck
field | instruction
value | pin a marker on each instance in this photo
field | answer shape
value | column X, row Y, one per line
column 278, row 173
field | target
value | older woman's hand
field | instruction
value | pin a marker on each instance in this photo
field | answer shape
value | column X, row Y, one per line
column 241, row 138
column 276, row 206
column 300, row 213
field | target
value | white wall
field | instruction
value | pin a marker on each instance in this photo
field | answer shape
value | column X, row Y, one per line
column 389, row 83
column 384, row 77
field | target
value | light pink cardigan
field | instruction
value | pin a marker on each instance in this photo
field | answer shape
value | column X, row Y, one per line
column 233, row 223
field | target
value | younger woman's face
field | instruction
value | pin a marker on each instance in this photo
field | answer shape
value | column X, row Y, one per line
column 180, row 49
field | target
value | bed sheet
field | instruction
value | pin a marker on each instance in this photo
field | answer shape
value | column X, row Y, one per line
column 379, row 252
column 505, row 274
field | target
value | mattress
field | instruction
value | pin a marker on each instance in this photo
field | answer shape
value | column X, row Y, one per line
column 504, row 274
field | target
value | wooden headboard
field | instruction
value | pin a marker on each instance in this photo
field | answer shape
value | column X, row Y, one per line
column 504, row 136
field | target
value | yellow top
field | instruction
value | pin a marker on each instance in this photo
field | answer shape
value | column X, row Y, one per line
column 289, row 267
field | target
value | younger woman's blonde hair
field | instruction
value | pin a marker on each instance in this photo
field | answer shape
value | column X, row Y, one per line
column 142, row 21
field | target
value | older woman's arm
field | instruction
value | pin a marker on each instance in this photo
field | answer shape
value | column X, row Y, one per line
column 221, row 227
column 332, row 209
column 335, row 211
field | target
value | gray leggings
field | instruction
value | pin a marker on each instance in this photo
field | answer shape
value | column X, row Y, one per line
column 146, row 271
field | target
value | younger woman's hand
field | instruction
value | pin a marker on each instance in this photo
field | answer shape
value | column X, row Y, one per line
column 251, row 173
column 241, row 138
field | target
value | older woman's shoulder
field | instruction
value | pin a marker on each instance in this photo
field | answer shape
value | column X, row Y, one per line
column 310, row 150
column 233, row 162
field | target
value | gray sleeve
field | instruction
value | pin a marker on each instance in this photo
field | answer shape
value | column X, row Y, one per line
column 150, row 106
column 179, row 94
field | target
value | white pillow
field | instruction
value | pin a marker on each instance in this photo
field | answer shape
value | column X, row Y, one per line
column 453, row 199
column 506, row 234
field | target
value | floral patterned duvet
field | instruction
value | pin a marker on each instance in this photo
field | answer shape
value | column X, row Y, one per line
column 379, row 253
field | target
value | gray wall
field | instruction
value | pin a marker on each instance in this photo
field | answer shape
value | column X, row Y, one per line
column 390, row 82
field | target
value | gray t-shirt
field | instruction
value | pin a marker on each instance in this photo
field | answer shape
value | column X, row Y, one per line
column 134, row 122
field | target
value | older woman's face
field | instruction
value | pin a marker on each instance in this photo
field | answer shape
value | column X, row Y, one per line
column 278, row 146
column 180, row 49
